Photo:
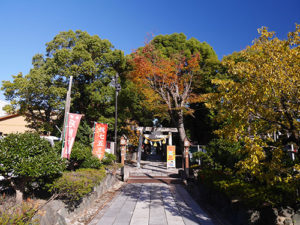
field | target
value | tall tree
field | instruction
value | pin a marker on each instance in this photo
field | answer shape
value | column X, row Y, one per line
column 168, row 70
column 199, row 126
column 92, row 62
column 262, row 98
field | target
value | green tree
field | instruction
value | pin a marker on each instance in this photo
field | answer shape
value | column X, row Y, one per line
column 92, row 62
column 173, row 72
column 258, row 101
column 84, row 133
column 133, row 106
column 26, row 158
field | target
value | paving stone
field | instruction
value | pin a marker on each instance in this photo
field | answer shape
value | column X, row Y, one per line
column 142, row 208
column 187, row 214
column 157, row 211
column 198, row 212
column 126, row 212
column 172, row 212
column 112, row 212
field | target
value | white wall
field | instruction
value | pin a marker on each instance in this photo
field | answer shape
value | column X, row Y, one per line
column 2, row 104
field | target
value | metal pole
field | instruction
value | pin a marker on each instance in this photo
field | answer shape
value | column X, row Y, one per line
column 116, row 112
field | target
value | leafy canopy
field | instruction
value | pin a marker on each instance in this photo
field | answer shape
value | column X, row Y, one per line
column 259, row 105
column 92, row 62
column 170, row 71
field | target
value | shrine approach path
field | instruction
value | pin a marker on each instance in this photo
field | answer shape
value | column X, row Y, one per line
column 153, row 195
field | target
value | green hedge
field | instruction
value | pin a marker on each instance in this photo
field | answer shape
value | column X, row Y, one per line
column 73, row 185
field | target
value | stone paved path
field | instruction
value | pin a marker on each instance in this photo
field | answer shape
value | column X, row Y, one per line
column 152, row 166
column 150, row 198
column 152, row 204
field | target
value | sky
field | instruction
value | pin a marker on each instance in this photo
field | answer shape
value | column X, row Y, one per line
column 227, row 25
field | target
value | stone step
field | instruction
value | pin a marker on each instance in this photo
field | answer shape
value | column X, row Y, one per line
column 171, row 175
column 154, row 179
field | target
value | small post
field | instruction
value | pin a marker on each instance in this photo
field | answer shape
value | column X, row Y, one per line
column 170, row 138
column 187, row 145
column 123, row 143
column 140, row 148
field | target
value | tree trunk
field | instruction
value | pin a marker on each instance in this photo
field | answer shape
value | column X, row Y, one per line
column 19, row 187
column 182, row 134
column 19, row 197
column 177, row 118
column 180, row 126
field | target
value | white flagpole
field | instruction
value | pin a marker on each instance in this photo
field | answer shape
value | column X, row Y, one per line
column 67, row 110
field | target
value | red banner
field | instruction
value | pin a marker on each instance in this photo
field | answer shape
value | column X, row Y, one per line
column 70, row 134
column 100, row 140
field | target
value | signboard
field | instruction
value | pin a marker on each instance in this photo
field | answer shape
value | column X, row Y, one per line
column 108, row 147
column 171, row 153
column 99, row 140
column 71, row 130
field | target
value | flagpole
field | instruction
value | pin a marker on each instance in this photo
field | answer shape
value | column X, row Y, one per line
column 67, row 110
column 94, row 131
column 63, row 136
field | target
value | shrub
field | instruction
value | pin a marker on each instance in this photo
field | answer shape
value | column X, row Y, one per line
column 108, row 159
column 81, row 154
column 224, row 153
column 81, row 157
column 27, row 159
column 91, row 162
column 251, row 194
column 73, row 185
column 204, row 158
column 271, row 181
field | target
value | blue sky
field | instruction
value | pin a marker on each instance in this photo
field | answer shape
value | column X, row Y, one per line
column 227, row 25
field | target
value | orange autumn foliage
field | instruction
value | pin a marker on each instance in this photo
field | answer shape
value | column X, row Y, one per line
column 165, row 80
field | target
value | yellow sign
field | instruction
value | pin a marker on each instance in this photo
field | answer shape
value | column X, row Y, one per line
column 171, row 152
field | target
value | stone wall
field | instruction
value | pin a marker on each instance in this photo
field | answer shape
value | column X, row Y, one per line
column 56, row 212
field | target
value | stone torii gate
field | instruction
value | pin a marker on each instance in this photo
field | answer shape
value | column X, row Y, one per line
column 153, row 129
